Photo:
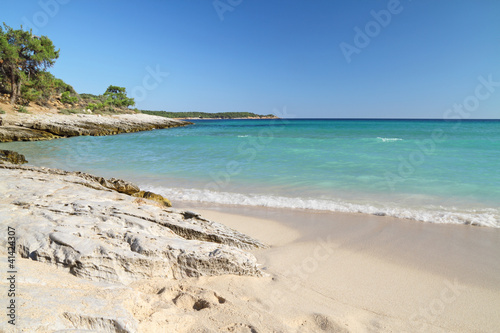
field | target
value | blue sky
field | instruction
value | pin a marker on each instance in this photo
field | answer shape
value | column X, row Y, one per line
column 266, row 55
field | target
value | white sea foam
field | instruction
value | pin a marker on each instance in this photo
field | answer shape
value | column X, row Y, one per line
column 242, row 136
column 485, row 217
column 389, row 139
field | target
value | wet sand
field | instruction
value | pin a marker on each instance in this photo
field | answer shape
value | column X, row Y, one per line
column 372, row 273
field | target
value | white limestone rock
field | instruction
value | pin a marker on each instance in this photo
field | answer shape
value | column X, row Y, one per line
column 72, row 221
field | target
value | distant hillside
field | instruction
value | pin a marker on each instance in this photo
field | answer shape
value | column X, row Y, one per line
column 205, row 115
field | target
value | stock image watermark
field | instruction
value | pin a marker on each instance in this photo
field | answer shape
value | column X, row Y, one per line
column 83, row 149
column 48, row 10
column 247, row 151
column 295, row 277
column 429, row 314
column 223, row 6
column 11, row 276
column 425, row 148
column 363, row 36
column 470, row 104
column 150, row 82
column 309, row 265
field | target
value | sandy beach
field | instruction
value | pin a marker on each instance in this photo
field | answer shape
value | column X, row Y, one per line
column 360, row 273
column 250, row 167
column 127, row 264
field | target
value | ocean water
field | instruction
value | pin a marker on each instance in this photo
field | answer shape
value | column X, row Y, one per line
column 425, row 170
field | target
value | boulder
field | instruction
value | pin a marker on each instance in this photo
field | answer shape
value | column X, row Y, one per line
column 154, row 197
column 122, row 186
column 10, row 156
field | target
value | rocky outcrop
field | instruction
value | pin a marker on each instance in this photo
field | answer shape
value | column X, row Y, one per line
column 72, row 220
column 17, row 133
column 154, row 197
column 95, row 182
column 122, row 186
column 28, row 127
column 49, row 299
column 9, row 156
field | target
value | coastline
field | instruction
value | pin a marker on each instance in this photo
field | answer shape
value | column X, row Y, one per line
column 200, row 118
column 375, row 273
column 321, row 272
column 36, row 127
column 252, row 168
column 103, row 239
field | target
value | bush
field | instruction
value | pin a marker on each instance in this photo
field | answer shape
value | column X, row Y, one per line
column 2, row 111
column 22, row 109
column 66, row 98
column 61, row 86
column 31, row 94
column 92, row 107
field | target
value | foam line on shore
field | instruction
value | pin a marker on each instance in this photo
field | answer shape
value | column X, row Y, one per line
column 485, row 217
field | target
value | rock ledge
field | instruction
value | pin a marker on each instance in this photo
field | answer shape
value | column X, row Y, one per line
column 28, row 127
column 82, row 222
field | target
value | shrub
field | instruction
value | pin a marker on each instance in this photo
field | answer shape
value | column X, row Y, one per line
column 22, row 109
column 42, row 88
column 31, row 94
column 92, row 106
column 66, row 98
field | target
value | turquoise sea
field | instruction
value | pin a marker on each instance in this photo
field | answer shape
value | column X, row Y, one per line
column 426, row 170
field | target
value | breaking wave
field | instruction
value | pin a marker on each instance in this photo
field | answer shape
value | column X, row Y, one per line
column 481, row 217
column 389, row 139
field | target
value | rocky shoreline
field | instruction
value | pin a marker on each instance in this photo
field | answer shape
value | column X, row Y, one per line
column 35, row 127
column 98, row 231
column 89, row 251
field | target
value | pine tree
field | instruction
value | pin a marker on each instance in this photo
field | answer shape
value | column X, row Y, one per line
column 22, row 57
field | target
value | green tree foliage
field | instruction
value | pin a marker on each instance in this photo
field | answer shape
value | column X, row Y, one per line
column 68, row 99
column 113, row 100
column 45, row 87
column 202, row 115
column 117, row 96
column 23, row 56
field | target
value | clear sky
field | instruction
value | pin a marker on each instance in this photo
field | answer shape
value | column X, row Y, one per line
column 322, row 58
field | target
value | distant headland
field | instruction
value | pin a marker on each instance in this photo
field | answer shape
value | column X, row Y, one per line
column 206, row 115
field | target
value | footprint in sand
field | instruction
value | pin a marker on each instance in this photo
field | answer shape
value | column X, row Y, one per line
column 192, row 298
column 239, row 328
column 320, row 323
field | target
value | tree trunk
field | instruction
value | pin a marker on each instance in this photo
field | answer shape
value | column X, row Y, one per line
column 15, row 88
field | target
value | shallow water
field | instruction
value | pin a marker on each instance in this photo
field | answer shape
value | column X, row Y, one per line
column 428, row 170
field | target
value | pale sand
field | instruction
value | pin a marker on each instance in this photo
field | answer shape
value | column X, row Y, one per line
column 364, row 273
column 325, row 273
